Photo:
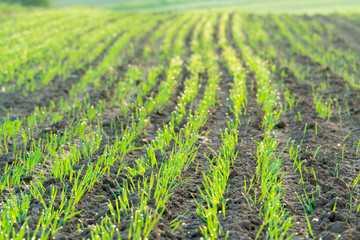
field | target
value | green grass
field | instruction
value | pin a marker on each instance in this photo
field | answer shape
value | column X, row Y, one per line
column 256, row 6
column 92, row 3
column 8, row 10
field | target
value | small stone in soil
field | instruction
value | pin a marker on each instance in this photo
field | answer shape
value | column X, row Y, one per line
column 320, row 154
column 36, row 210
column 233, row 173
column 74, row 76
column 8, row 158
column 337, row 227
column 245, row 238
column 196, row 233
column 159, row 156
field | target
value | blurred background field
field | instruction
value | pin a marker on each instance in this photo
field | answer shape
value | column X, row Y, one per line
column 254, row 6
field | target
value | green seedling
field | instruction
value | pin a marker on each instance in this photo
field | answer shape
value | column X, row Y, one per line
column 356, row 180
column 336, row 171
column 306, row 208
column 305, row 128
column 309, row 225
column 334, row 208
column 299, row 116
column 176, row 222
column 347, row 135
column 316, row 151
column 357, row 148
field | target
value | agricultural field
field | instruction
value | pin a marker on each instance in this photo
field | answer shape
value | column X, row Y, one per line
column 206, row 125
column 250, row 6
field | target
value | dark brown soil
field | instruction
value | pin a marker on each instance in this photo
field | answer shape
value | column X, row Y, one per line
column 334, row 175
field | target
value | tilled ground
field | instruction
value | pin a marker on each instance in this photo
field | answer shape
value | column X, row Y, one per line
column 334, row 209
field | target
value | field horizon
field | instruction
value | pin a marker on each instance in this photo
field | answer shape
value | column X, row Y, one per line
column 250, row 6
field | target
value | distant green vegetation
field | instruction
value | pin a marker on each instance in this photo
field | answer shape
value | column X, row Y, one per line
column 256, row 6
column 93, row 3
column 6, row 10
column 45, row 3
